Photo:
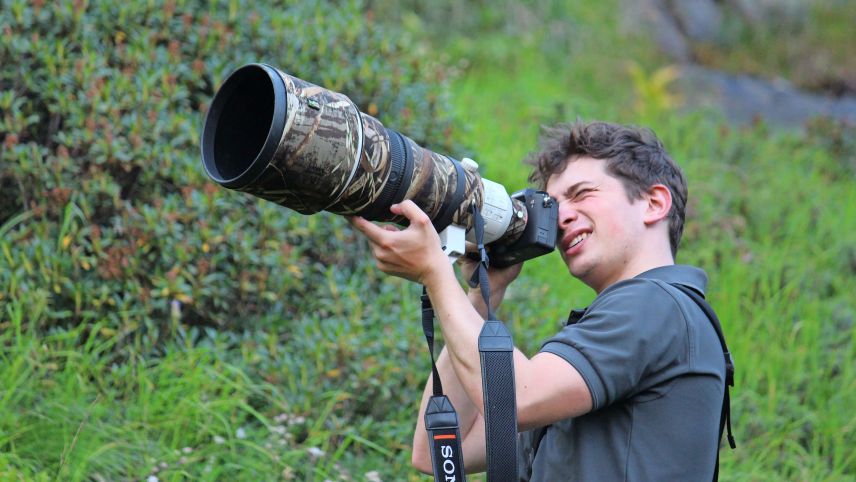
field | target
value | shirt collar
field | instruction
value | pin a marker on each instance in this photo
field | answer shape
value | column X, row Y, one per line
column 681, row 274
column 689, row 276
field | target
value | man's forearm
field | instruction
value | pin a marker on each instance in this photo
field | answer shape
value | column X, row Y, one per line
column 461, row 325
column 469, row 415
column 476, row 299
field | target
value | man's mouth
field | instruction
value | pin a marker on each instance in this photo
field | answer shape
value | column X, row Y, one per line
column 569, row 243
column 577, row 240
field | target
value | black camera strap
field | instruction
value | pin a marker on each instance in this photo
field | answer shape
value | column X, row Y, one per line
column 725, row 415
column 497, row 364
column 496, row 350
column 441, row 420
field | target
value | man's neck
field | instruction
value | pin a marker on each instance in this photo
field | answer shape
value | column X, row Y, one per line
column 640, row 265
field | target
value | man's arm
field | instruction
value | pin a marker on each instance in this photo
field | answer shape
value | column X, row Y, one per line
column 548, row 389
column 469, row 420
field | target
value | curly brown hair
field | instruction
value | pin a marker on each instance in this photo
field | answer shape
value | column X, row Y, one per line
column 633, row 155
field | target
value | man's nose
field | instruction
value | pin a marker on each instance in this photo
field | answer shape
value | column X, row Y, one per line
column 567, row 215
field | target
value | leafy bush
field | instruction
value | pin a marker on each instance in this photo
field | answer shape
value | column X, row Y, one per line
column 145, row 311
column 104, row 210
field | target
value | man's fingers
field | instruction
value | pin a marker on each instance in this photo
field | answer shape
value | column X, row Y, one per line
column 411, row 211
column 372, row 231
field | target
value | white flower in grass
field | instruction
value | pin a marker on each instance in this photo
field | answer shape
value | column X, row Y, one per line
column 241, row 433
column 219, row 440
column 373, row 476
column 152, row 478
column 315, row 452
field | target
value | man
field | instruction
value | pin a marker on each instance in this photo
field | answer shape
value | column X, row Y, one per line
column 631, row 388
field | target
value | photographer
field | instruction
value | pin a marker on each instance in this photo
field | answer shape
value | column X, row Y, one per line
column 632, row 387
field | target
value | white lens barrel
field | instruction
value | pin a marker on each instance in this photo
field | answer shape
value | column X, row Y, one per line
column 497, row 211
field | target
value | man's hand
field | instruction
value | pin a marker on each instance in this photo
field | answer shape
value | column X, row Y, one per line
column 498, row 278
column 413, row 253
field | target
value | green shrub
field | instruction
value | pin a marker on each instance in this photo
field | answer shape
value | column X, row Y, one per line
column 186, row 311
column 105, row 212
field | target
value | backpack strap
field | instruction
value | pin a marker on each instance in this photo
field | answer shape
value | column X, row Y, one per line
column 725, row 415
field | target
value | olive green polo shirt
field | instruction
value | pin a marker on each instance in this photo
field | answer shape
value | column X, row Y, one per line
column 654, row 367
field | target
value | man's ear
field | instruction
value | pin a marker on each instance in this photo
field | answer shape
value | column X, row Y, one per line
column 659, row 203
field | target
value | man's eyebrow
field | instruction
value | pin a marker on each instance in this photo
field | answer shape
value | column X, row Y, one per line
column 569, row 193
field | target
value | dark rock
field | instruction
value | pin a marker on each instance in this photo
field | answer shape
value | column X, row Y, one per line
column 750, row 11
column 677, row 24
column 742, row 98
column 700, row 20
column 653, row 18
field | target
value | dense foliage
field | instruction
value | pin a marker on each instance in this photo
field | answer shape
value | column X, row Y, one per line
column 114, row 242
column 105, row 210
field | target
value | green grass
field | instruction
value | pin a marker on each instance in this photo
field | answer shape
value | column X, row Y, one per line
column 229, row 407
column 331, row 391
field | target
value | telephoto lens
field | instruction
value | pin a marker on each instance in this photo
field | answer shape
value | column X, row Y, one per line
column 310, row 149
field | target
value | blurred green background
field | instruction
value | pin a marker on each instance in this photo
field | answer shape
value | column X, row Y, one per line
column 154, row 325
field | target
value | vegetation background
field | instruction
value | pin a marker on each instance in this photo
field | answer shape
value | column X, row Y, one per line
column 154, row 326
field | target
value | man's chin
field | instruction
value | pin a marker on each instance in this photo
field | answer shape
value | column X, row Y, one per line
column 580, row 271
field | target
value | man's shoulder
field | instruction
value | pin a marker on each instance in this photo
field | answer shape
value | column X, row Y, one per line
column 651, row 290
column 633, row 334
column 645, row 307
column 635, row 295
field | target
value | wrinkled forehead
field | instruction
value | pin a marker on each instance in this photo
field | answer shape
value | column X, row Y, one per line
column 577, row 170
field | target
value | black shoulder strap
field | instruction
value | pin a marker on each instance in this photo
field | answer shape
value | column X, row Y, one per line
column 500, row 405
column 725, row 416
column 497, row 364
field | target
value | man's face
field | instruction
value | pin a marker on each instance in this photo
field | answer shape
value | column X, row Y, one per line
column 600, row 228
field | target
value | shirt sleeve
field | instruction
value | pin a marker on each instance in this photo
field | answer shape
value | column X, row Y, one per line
column 633, row 336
